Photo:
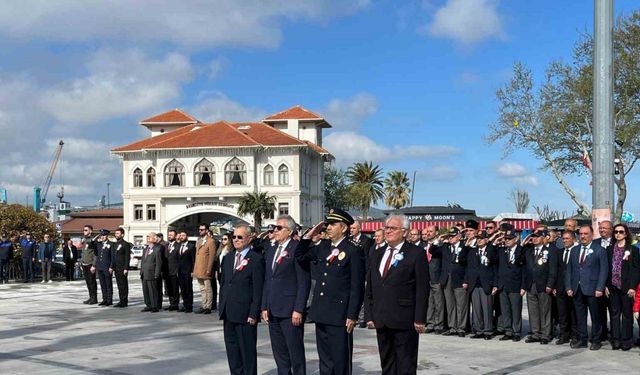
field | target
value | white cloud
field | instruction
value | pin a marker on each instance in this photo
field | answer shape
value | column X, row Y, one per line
column 466, row 21
column 349, row 147
column 193, row 23
column 517, row 173
column 119, row 83
column 348, row 114
column 216, row 66
column 216, row 106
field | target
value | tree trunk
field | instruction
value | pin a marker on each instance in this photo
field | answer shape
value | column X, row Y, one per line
column 257, row 221
column 574, row 197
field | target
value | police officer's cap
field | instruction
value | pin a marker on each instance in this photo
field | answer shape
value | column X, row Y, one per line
column 471, row 224
column 510, row 234
column 104, row 232
column 453, row 231
column 337, row 215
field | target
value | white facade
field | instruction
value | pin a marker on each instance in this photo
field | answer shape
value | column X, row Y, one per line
column 293, row 174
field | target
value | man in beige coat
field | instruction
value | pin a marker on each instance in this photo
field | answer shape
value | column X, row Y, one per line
column 205, row 256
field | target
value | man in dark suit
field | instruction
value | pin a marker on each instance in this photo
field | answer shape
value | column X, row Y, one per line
column 396, row 299
column 186, row 260
column 122, row 254
column 511, row 284
column 585, row 279
column 606, row 241
column 284, row 298
column 171, row 257
column 435, row 307
column 340, row 269
column 454, row 264
column 104, row 267
column 150, row 273
column 566, row 310
column 242, row 277
column 69, row 257
column 481, row 280
column 541, row 271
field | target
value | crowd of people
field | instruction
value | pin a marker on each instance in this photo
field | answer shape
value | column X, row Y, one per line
column 453, row 282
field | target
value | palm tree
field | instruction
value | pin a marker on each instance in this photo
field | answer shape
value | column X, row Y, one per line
column 365, row 185
column 396, row 188
column 258, row 205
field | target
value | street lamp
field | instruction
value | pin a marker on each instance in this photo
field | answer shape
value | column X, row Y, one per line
column 108, row 194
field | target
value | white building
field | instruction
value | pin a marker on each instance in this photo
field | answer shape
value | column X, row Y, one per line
column 188, row 172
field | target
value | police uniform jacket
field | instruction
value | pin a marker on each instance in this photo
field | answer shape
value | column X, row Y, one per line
column 286, row 284
column 400, row 299
column 151, row 264
column 122, row 254
column 186, row 258
column 542, row 269
column 511, row 272
column 172, row 257
column 104, row 256
column 28, row 248
column 453, row 264
column 6, row 250
column 339, row 289
column 482, row 270
column 241, row 290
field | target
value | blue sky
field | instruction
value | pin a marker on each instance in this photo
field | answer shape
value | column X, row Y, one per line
column 408, row 84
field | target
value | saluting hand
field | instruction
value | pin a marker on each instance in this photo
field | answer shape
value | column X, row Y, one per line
column 314, row 231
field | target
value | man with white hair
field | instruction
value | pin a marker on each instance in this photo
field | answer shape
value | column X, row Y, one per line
column 150, row 272
column 396, row 298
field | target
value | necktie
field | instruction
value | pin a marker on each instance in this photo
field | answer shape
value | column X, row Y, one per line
column 583, row 253
column 566, row 256
column 387, row 264
column 537, row 252
column 237, row 263
column 182, row 249
column 276, row 256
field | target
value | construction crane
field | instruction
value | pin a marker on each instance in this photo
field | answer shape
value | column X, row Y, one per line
column 40, row 192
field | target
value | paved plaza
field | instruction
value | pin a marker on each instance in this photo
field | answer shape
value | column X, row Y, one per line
column 45, row 329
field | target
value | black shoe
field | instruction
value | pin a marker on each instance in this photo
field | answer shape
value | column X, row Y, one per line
column 544, row 341
column 516, row 338
column 615, row 345
column 206, row 311
column 200, row 311
column 595, row 346
column 93, row 302
column 625, row 347
column 188, row 310
column 145, row 309
column 87, row 301
column 155, row 310
column 578, row 345
column 461, row 334
column 173, row 308
column 488, row 337
column 448, row 333
column 505, row 338
column 531, row 339
column 26, row 281
column 109, row 303
column 102, row 303
column 182, row 309
column 117, row 305
column 561, row 341
column 166, row 308
column 477, row 336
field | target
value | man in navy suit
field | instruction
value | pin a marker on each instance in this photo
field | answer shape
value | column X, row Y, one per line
column 585, row 278
column 396, row 298
column 284, row 299
column 454, row 264
column 241, row 280
column 340, row 270
column 481, row 280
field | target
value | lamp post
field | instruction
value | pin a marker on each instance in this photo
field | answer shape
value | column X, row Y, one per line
column 108, row 194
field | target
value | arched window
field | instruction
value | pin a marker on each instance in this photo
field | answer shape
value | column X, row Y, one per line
column 137, row 177
column 283, row 175
column 205, row 173
column 268, row 175
column 151, row 177
column 235, row 173
column 174, row 174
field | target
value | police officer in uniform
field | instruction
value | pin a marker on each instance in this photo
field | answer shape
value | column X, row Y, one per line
column 104, row 265
column 88, row 260
column 122, row 255
column 340, row 269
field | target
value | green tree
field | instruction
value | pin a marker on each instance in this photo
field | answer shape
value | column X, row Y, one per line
column 396, row 189
column 258, row 205
column 365, row 186
column 15, row 219
column 336, row 193
column 553, row 120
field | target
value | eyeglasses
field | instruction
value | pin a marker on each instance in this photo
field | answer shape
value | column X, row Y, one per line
column 619, row 232
column 202, row 229
column 278, row 227
column 238, row 237
column 225, row 239
column 392, row 229
column 491, row 228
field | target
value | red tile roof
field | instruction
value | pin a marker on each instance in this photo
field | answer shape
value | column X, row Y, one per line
column 175, row 116
column 317, row 148
column 295, row 112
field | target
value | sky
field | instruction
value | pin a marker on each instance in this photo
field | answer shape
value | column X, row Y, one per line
column 409, row 85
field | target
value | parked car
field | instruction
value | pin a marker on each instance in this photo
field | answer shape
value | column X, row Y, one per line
column 136, row 256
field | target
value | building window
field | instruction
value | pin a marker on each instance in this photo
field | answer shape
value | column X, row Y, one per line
column 283, row 175
column 151, row 177
column 174, row 174
column 235, row 173
column 268, row 175
column 137, row 212
column 270, row 215
column 283, row 208
column 151, row 212
column 137, row 240
column 205, row 173
column 137, row 177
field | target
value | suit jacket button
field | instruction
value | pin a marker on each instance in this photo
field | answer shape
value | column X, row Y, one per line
column 323, row 283
column 325, row 274
column 321, row 293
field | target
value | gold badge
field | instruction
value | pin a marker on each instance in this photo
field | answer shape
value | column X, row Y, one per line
column 341, row 255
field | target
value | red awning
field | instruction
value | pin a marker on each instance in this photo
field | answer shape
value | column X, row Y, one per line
column 372, row 226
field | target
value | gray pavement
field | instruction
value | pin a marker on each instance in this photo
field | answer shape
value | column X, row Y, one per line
column 45, row 329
